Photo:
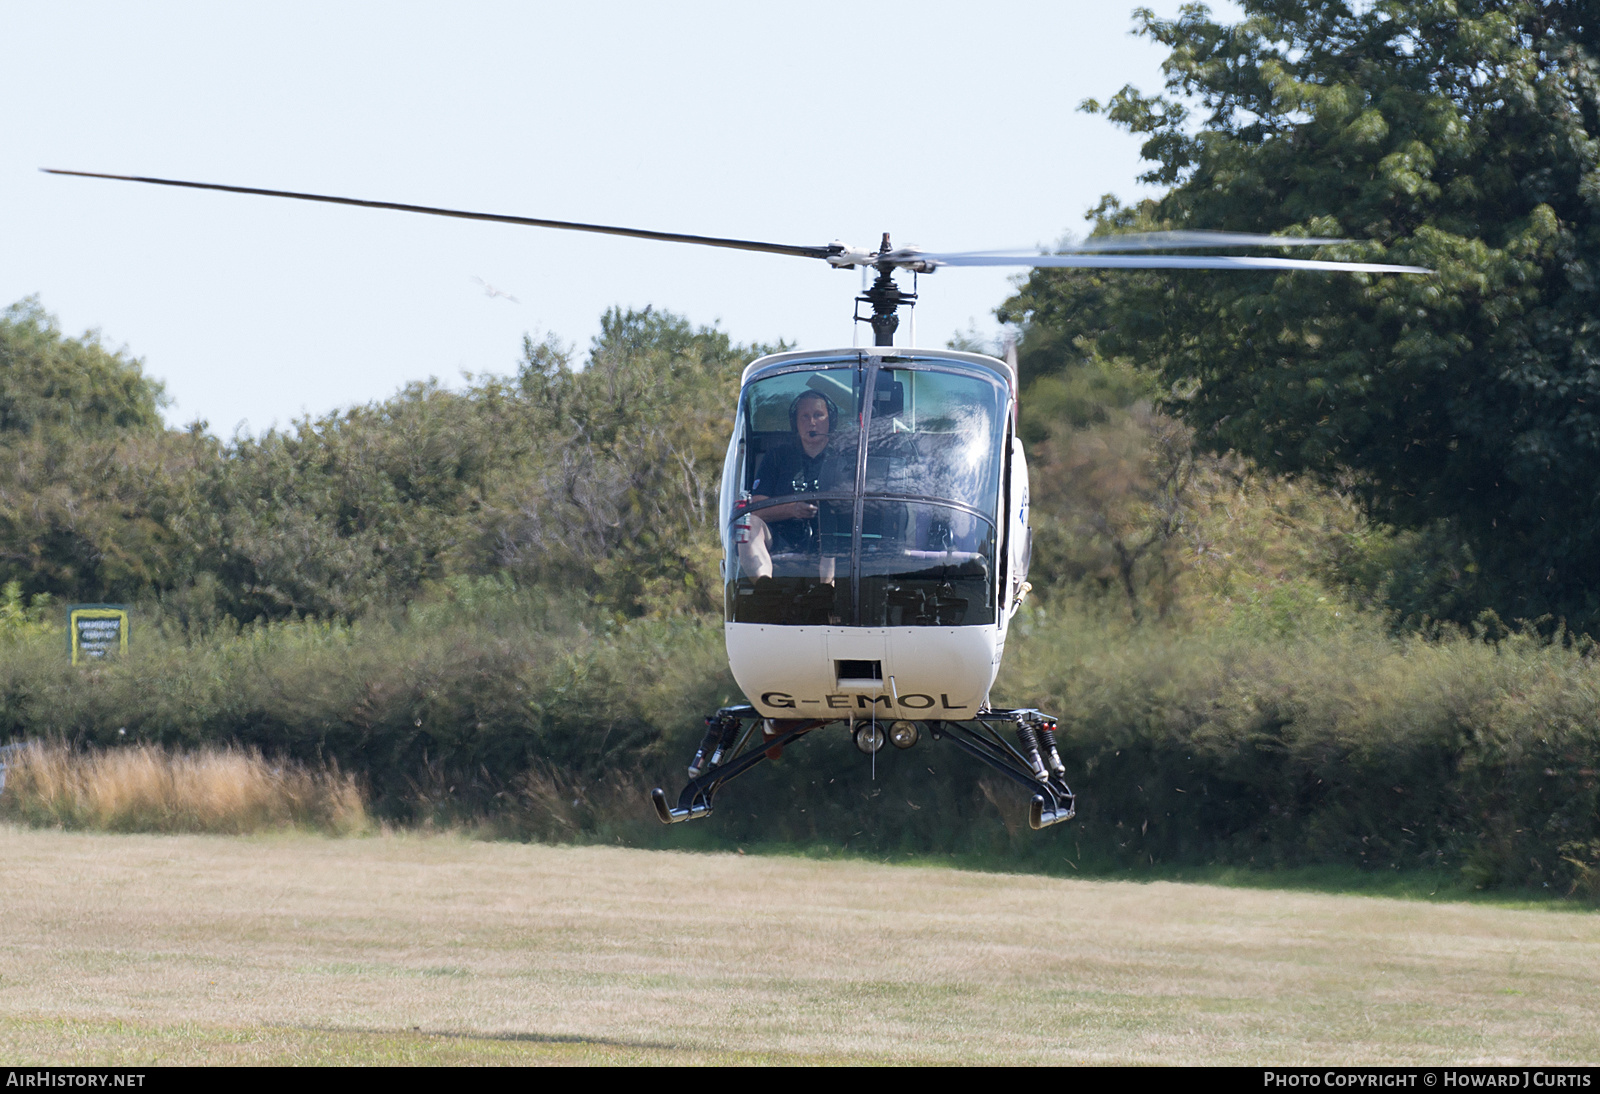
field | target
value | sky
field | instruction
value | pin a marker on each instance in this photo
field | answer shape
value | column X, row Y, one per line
column 953, row 126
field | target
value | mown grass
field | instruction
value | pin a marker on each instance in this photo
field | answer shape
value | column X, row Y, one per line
column 1433, row 886
column 132, row 1044
column 404, row 948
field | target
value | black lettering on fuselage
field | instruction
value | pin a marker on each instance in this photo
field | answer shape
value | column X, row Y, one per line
column 911, row 701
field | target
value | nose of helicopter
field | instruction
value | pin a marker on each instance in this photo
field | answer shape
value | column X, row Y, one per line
column 844, row 672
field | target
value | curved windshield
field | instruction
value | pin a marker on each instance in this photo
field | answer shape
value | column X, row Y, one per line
column 824, row 525
column 935, row 435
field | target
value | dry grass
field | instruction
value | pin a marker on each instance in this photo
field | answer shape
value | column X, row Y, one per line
column 411, row 949
column 148, row 789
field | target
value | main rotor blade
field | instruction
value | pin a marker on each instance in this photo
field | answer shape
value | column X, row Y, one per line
column 503, row 218
column 1165, row 262
column 1174, row 241
column 1157, row 241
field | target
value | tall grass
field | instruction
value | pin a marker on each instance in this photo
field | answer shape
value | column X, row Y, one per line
column 147, row 788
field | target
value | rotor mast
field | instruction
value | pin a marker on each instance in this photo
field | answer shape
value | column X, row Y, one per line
column 885, row 298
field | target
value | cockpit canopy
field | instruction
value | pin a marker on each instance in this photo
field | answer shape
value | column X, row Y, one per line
column 863, row 490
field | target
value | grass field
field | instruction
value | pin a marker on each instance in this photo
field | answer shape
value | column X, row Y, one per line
column 133, row 949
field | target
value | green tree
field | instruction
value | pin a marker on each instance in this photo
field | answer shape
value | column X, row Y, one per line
column 618, row 493
column 1462, row 135
column 343, row 513
column 600, row 479
column 49, row 382
column 86, row 470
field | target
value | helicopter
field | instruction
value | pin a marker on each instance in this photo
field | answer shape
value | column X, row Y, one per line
column 873, row 515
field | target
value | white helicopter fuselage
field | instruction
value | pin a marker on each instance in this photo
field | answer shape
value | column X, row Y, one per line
column 881, row 582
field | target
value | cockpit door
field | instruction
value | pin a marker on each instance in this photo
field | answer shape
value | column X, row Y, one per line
column 1019, row 534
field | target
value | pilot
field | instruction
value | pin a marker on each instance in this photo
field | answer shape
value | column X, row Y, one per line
column 803, row 467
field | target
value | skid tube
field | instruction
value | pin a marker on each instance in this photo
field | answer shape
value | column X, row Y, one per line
column 727, row 752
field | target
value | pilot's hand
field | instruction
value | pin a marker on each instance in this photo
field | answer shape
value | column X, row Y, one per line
column 794, row 510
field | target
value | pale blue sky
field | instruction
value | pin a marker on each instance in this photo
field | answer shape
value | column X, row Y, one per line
column 953, row 126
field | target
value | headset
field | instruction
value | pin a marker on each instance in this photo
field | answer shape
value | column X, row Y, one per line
column 810, row 393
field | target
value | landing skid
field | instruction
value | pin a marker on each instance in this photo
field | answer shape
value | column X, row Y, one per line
column 1036, row 766
column 725, row 754
column 731, row 747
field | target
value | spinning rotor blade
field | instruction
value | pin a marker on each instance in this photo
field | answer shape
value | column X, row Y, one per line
column 1077, row 255
column 1163, row 262
column 503, row 218
column 1169, row 241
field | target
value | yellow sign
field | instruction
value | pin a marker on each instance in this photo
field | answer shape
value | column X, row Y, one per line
column 96, row 631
